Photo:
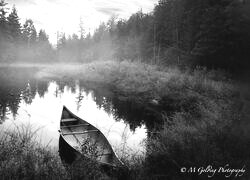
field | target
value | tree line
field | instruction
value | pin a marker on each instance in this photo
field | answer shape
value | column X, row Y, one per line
column 86, row 47
column 212, row 33
column 21, row 42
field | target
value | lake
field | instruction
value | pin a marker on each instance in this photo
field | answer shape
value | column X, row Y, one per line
column 27, row 101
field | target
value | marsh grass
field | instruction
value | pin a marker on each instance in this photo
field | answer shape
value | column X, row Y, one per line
column 199, row 110
column 167, row 90
column 22, row 157
column 131, row 77
column 184, row 144
column 84, row 168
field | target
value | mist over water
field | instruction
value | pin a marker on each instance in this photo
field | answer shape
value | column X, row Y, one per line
column 38, row 103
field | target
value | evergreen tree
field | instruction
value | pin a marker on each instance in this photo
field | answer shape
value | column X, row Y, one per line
column 223, row 36
column 29, row 32
column 82, row 30
column 45, row 51
column 4, row 36
column 3, row 20
column 61, row 42
column 42, row 36
column 14, row 26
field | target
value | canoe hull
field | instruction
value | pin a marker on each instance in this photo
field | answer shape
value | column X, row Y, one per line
column 82, row 138
column 67, row 154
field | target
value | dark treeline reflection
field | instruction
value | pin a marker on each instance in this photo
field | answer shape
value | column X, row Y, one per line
column 128, row 108
column 18, row 85
column 121, row 107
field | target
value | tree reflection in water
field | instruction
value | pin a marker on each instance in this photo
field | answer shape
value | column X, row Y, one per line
column 19, row 84
column 124, row 107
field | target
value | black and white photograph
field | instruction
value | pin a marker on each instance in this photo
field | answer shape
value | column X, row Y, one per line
column 124, row 90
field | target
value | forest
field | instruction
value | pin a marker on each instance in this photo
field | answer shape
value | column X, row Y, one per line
column 182, row 71
column 207, row 33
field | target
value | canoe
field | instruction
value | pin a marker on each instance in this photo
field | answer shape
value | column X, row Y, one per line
column 85, row 139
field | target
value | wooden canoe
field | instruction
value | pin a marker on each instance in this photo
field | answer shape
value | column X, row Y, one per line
column 85, row 139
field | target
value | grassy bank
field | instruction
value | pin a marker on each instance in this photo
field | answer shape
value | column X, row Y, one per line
column 203, row 95
column 200, row 112
column 134, row 78
column 22, row 157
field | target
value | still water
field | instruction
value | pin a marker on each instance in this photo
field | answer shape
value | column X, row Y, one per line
column 25, row 100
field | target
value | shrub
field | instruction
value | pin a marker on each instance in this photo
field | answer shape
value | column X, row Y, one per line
column 22, row 157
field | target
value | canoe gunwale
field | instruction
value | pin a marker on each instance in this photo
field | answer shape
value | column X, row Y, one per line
column 84, row 132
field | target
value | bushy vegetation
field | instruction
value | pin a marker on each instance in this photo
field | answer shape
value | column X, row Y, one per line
column 186, row 142
column 22, row 157
column 161, row 66
column 131, row 78
column 197, row 115
column 199, row 112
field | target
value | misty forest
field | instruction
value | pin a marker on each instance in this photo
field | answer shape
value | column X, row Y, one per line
column 176, row 79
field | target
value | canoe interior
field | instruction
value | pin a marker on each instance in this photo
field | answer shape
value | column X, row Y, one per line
column 86, row 139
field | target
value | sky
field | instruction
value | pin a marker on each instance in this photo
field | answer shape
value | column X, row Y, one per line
column 64, row 15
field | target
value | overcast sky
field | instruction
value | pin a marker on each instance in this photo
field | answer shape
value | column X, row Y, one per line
column 64, row 15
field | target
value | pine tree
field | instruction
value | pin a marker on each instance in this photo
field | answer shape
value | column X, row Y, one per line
column 82, row 30
column 61, row 42
column 4, row 35
column 29, row 32
column 3, row 20
column 223, row 36
column 43, row 45
column 14, row 26
column 42, row 36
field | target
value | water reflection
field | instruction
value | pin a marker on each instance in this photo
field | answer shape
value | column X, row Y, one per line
column 14, row 88
column 128, row 108
column 24, row 99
